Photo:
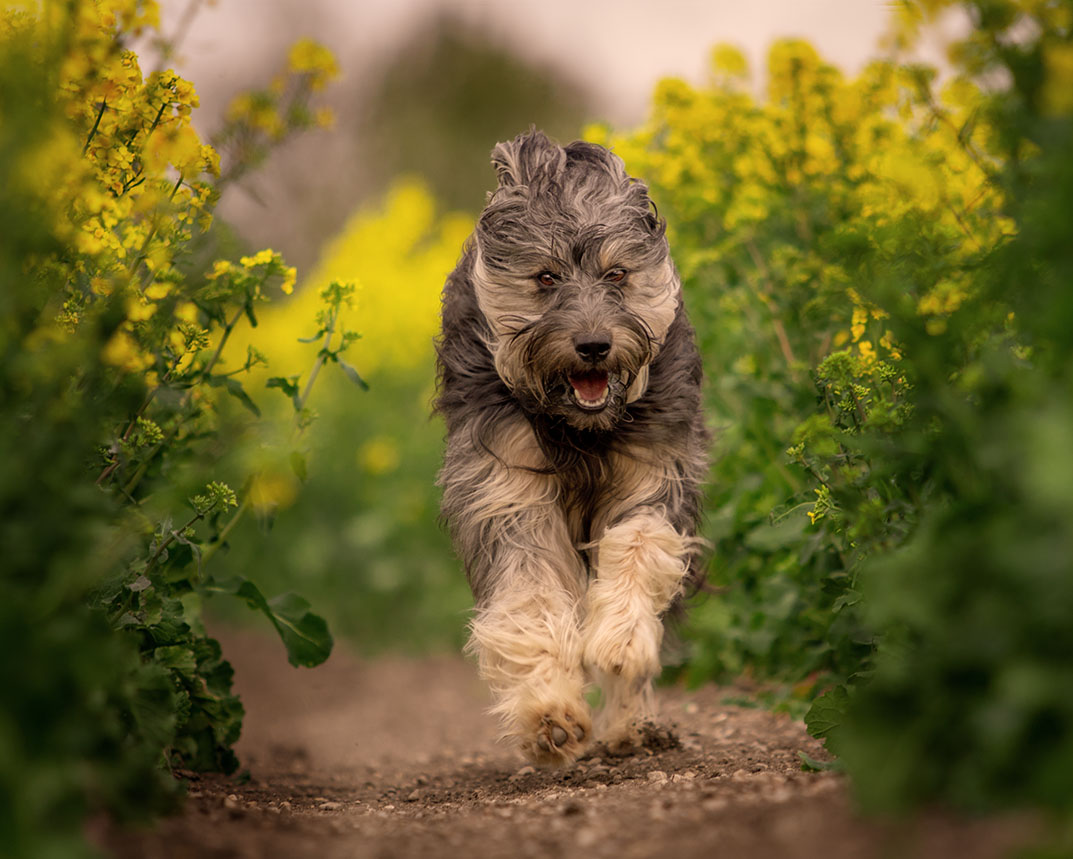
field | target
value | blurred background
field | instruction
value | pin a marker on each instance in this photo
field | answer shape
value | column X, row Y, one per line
column 428, row 86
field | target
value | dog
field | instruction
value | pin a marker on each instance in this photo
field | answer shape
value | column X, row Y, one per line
column 570, row 384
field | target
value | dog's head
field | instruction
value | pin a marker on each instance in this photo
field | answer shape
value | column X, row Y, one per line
column 574, row 277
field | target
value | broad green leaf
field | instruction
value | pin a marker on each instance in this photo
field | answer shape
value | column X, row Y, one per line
column 235, row 389
column 305, row 634
column 825, row 717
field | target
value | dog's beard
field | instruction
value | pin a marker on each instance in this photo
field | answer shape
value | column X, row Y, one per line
column 540, row 366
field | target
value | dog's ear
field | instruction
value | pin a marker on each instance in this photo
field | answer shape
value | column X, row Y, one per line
column 519, row 160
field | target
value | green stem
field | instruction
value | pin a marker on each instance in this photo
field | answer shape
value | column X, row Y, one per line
column 227, row 529
column 320, row 360
column 96, row 125
column 228, row 328
column 171, row 539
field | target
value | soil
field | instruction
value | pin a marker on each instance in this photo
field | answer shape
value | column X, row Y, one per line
column 396, row 757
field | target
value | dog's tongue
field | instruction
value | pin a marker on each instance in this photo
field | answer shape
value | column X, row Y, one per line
column 590, row 385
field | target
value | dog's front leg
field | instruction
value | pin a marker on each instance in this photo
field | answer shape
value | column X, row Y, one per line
column 641, row 562
column 528, row 581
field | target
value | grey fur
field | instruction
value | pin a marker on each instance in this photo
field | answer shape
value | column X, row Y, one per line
column 507, row 356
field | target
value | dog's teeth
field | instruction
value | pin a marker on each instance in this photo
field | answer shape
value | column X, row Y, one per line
column 591, row 403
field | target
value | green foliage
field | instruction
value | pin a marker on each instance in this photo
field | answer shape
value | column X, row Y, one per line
column 365, row 542
column 879, row 273
column 113, row 417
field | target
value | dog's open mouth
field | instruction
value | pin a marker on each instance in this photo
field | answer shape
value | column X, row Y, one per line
column 590, row 388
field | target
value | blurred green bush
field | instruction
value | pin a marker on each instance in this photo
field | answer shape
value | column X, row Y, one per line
column 112, row 424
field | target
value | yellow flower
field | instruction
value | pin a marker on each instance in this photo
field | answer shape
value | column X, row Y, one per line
column 379, row 455
column 122, row 351
column 219, row 269
column 260, row 258
column 289, row 278
column 312, row 58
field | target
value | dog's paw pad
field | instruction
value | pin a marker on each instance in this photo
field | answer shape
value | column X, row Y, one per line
column 558, row 738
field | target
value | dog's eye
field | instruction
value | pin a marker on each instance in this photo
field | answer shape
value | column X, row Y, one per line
column 615, row 275
column 546, row 278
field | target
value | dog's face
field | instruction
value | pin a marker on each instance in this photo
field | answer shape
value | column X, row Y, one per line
column 574, row 277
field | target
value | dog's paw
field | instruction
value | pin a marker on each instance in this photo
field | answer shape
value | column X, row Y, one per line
column 557, row 735
column 627, row 649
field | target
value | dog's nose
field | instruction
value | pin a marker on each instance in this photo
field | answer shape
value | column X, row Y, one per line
column 593, row 347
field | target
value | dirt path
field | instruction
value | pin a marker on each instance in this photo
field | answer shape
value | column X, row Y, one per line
column 395, row 758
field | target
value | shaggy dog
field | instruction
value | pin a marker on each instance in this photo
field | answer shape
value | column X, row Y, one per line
column 570, row 384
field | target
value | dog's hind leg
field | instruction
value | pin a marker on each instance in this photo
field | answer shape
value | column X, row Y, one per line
column 641, row 562
column 528, row 581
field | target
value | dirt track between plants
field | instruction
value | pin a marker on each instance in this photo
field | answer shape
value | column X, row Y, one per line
column 395, row 757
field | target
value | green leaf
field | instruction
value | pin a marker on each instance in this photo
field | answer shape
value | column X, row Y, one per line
column 298, row 465
column 304, row 634
column 849, row 598
column 235, row 389
column 352, row 374
column 824, row 719
column 178, row 658
column 288, row 385
column 811, row 765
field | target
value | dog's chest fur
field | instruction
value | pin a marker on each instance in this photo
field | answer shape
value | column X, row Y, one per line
column 594, row 469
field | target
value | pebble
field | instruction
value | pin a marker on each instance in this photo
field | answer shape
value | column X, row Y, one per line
column 330, row 806
column 657, row 776
column 524, row 771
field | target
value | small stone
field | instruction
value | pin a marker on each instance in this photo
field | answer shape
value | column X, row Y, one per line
column 414, row 795
column 285, row 804
column 657, row 776
column 330, row 806
column 524, row 771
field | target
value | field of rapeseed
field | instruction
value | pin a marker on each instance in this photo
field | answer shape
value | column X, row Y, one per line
column 879, row 270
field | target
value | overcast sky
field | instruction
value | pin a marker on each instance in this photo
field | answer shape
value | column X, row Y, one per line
column 616, row 50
